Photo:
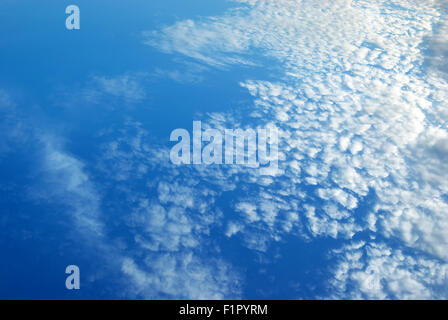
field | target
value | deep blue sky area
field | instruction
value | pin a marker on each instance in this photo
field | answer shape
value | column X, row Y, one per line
column 356, row 210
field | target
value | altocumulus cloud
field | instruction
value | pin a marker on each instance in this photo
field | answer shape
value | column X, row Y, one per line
column 358, row 115
column 168, row 222
column 359, row 118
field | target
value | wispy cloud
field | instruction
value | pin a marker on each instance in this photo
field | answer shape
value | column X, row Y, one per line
column 127, row 87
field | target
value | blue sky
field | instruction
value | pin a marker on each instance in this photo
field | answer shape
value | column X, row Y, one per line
column 357, row 89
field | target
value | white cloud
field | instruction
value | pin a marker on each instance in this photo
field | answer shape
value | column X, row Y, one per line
column 127, row 87
column 169, row 223
column 437, row 52
column 10, row 124
column 202, row 41
column 357, row 116
column 180, row 276
column 67, row 183
column 233, row 228
column 5, row 100
column 380, row 272
column 109, row 91
column 165, row 260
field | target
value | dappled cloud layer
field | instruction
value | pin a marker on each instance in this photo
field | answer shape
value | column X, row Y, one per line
column 362, row 116
column 360, row 100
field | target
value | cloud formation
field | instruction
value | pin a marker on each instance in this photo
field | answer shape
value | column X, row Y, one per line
column 359, row 119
